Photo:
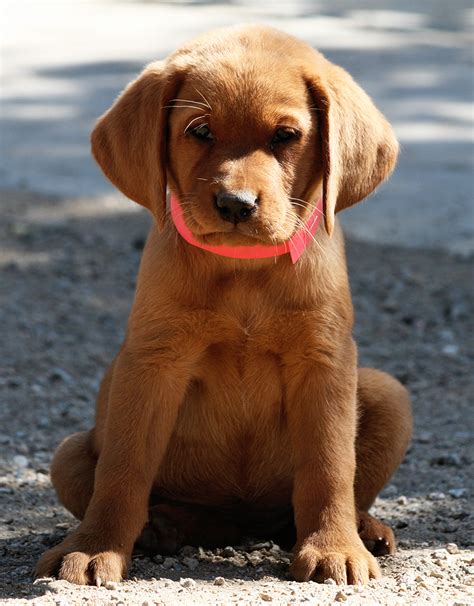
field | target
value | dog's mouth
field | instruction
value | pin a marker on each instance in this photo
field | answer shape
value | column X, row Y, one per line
column 264, row 229
column 239, row 234
column 236, row 235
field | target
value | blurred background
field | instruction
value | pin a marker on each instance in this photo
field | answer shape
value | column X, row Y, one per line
column 64, row 62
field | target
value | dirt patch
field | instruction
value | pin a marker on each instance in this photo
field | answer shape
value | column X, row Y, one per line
column 68, row 271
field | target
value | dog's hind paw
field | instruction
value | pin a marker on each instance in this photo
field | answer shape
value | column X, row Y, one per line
column 377, row 537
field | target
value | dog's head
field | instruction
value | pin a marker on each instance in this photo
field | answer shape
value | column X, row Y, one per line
column 248, row 127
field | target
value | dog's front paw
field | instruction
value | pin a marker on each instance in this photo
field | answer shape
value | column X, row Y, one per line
column 80, row 560
column 346, row 562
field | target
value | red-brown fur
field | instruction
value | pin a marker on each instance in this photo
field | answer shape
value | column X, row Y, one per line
column 236, row 391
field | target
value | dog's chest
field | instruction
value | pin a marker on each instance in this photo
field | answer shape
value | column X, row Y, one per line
column 232, row 424
column 239, row 375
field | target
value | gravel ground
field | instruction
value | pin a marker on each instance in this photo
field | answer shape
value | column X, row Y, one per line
column 68, row 271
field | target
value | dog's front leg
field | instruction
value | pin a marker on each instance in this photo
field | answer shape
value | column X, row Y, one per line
column 142, row 411
column 321, row 409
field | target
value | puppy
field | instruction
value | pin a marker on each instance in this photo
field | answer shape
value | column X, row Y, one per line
column 235, row 405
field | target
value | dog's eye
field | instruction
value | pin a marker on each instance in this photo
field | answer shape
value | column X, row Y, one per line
column 284, row 135
column 202, row 132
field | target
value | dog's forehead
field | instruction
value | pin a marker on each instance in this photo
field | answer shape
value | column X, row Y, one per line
column 236, row 71
column 252, row 88
column 247, row 92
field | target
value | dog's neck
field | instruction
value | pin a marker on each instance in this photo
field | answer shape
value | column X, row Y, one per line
column 295, row 246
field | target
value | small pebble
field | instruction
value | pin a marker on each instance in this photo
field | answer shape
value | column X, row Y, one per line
column 254, row 559
column 111, row 585
column 440, row 554
column 229, row 552
column 450, row 349
column 191, row 563
column 452, row 548
column 424, row 437
column 258, row 546
column 449, row 528
column 402, row 500
column 219, row 581
column 425, row 585
column 58, row 374
column 329, row 582
column 457, row 493
column 188, row 582
column 340, row 596
column 266, row 597
column 436, row 496
column 238, row 560
column 188, row 551
column 169, row 562
column 462, row 435
column 450, row 460
column 20, row 461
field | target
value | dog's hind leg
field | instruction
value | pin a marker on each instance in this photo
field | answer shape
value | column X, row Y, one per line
column 384, row 432
column 75, row 460
column 72, row 472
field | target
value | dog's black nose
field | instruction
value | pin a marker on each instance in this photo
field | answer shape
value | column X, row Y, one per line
column 236, row 207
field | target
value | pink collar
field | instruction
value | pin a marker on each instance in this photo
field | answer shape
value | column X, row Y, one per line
column 295, row 245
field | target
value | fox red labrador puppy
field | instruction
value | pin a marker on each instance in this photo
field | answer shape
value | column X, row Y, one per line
column 235, row 405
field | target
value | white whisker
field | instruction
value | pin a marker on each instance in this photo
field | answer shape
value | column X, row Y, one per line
column 306, row 205
column 183, row 107
column 299, row 221
column 194, row 120
column 187, row 101
column 207, row 102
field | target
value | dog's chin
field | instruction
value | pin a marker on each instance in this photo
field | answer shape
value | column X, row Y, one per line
column 236, row 237
column 228, row 238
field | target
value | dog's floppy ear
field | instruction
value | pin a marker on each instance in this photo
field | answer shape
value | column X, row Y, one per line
column 358, row 144
column 129, row 140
